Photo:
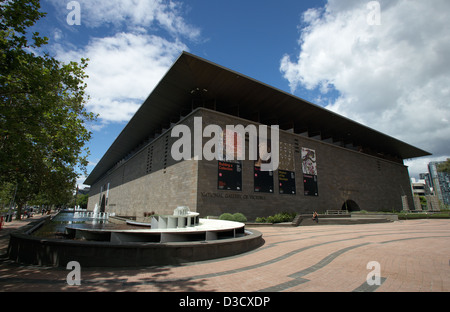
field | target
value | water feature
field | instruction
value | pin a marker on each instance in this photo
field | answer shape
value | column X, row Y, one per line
column 92, row 240
column 56, row 227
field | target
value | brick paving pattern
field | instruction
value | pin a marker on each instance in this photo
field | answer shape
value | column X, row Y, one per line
column 414, row 256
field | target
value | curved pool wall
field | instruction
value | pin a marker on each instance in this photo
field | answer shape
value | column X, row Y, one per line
column 28, row 249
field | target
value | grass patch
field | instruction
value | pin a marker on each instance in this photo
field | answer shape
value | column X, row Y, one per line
column 424, row 215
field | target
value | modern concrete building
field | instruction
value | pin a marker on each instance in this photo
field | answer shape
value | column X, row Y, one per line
column 326, row 161
column 420, row 187
column 441, row 182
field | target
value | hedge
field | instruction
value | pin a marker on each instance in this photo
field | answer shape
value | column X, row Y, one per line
column 237, row 217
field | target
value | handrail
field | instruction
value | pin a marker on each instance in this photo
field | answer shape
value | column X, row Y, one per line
column 338, row 212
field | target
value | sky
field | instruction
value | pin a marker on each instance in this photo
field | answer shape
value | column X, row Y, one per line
column 384, row 63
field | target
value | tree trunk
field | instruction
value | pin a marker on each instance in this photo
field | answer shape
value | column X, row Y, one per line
column 19, row 211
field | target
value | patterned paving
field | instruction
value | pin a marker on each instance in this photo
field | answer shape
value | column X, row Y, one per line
column 413, row 256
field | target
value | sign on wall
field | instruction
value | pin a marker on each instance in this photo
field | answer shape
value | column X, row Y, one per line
column 230, row 143
column 286, row 157
column 229, row 171
column 229, row 175
column 286, row 169
column 309, row 168
column 263, row 180
column 286, row 180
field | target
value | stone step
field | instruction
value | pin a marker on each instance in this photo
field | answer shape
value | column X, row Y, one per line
column 332, row 221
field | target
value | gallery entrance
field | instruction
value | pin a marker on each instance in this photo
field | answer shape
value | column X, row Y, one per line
column 350, row 206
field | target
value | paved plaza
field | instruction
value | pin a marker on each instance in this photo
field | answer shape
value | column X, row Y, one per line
column 413, row 256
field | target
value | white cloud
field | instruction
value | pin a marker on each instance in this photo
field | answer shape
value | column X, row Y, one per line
column 420, row 165
column 127, row 62
column 122, row 71
column 156, row 14
column 394, row 77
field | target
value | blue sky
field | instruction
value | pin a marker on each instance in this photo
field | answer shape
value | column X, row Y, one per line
column 392, row 74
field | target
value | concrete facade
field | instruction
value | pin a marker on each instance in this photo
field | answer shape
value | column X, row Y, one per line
column 151, row 180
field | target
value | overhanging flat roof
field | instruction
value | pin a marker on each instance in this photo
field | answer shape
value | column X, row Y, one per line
column 194, row 82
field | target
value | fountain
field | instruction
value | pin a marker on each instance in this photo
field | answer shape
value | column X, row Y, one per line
column 96, row 209
column 167, row 240
column 182, row 226
column 182, row 217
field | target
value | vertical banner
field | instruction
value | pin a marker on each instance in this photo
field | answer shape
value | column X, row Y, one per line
column 286, row 171
column 230, row 144
column 229, row 168
column 107, row 195
column 263, row 180
column 286, row 180
column 100, row 197
column 309, row 168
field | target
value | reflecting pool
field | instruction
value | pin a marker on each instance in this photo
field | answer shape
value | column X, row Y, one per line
column 56, row 227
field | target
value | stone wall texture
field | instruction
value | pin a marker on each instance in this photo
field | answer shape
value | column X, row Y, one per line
column 152, row 181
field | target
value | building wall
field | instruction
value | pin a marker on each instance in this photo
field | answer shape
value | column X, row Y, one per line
column 373, row 184
column 152, row 181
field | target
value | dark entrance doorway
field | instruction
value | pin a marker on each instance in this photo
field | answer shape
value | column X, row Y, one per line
column 350, row 206
column 103, row 204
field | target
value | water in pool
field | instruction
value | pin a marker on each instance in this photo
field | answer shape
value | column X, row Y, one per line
column 57, row 226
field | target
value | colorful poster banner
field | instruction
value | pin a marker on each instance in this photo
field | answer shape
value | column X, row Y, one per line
column 263, row 180
column 286, row 180
column 229, row 176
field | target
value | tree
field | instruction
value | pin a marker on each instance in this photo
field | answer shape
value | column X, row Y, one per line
column 6, row 195
column 42, row 110
column 445, row 166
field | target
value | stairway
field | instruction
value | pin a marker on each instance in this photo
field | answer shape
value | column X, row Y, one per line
column 306, row 220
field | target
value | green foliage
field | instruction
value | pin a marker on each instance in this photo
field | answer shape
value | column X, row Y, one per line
column 237, row 217
column 82, row 200
column 423, row 215
column 6, row 194
column 278, row 218
column 226, row 216
column 42, row 111
column 445, row 166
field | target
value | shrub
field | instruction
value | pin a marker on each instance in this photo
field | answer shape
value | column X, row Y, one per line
column 278, row 218
column 261, row 220
column 239, row 217
column 226, row 216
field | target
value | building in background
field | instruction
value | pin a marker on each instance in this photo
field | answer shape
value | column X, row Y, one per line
column 427, row 178
column 441, row 183
column 420, row 187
